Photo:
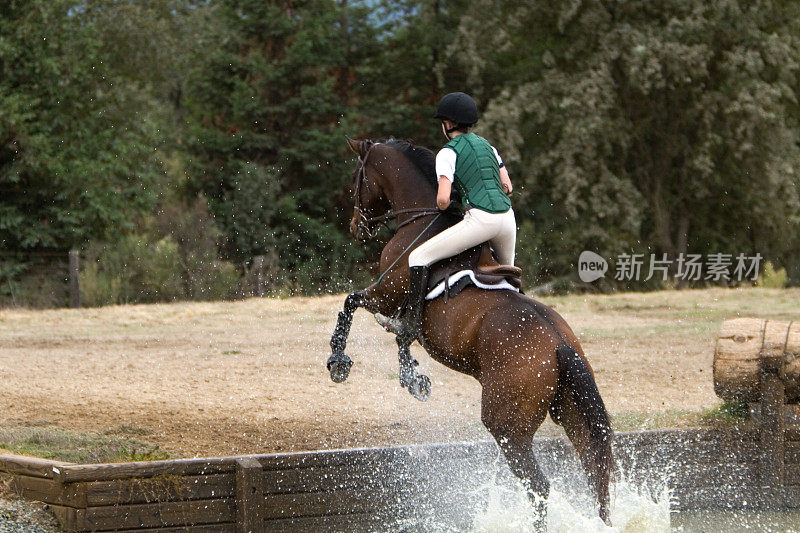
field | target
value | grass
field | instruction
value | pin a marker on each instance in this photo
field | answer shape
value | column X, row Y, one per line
column 725, row 415
column 41, row 439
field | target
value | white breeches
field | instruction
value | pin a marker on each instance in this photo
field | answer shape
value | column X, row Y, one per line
column 478, row 226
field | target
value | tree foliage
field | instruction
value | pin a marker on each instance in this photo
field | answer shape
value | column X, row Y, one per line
column 663, row 127
column 667, row 126
column 78, row 149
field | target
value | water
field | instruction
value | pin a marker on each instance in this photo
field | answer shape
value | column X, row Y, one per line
column 501, row 505
column 633, row 510
column 506, row 509
column 497, row 503
column 737, row 521
column 468, row 488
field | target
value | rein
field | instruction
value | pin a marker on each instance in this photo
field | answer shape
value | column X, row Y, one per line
column 380, row 278
column 420, row 212
column 365, row 222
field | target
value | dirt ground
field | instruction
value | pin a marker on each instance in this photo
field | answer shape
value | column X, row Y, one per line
column 204, row 379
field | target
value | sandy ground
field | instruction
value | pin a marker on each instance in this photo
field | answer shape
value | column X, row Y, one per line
column 202, row 379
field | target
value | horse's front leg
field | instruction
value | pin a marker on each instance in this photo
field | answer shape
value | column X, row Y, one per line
column 419, row 385
column 339, row 363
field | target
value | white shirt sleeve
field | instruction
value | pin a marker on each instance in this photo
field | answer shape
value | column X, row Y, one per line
column 499, row 161
column 446, row 164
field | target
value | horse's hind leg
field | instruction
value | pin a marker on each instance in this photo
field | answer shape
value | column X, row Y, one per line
column 579, row 408
column 512, row 419
column 419, row 385
column 594, row 456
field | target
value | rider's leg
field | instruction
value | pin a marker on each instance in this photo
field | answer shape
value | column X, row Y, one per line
column 505, row 242
column 411, row 314
column 476, row 228
column 467, row 233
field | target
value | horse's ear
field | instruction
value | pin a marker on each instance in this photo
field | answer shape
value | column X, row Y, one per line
column 358, row 147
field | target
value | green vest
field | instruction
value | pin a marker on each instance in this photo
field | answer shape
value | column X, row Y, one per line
column 477, row 176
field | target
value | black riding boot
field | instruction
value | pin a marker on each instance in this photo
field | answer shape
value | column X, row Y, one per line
column 410, row 319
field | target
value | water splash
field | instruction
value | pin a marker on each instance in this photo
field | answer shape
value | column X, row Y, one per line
column 500, row 504
column 633, row 510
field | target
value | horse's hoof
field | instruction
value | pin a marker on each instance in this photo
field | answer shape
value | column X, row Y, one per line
column 339, row 367
column 420, row 388
column 389, row 324
column 408, row 374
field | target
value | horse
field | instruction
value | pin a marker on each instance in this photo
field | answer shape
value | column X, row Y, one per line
column 525, row 356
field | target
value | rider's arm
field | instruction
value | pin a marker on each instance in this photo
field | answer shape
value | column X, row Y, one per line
column 445, row 169
column 505, row 181
column 443, row 196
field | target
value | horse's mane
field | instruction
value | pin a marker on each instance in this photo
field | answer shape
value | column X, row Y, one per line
column 423, row 158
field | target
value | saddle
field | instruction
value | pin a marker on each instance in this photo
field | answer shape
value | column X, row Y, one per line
column 482, row 270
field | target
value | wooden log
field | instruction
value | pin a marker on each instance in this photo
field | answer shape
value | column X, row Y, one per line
column 70, row 518
column 111, row 471
column 49, row 491
column 157, row 515
column 723, row 473
column 338, row 502
column 329, row 524
column 157, row 489
column 746, row 347
column 793, row 433
column 792, row 474
column 790, row 371
column 792, row 452
column 249, row 495
column 733, row 497
column 319, row 479
column 773, row 435
column 30, row 466
column 228, row 527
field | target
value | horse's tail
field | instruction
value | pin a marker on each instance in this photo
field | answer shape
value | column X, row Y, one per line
column 593, row 441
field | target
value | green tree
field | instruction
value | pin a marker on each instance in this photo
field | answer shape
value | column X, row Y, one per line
column 410, row 70
column 664, row 127
column 266, row 131
column 78, row 151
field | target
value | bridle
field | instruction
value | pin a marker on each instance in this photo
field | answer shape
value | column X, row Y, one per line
column 363, row 222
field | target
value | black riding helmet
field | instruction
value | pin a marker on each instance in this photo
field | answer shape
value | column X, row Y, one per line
column 459, row 108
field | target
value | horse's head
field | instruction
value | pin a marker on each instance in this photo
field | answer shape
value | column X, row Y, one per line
column 368, row 191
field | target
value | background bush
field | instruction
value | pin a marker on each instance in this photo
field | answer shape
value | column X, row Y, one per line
column 208, row 152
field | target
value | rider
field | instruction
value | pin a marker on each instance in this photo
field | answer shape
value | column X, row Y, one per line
column 474, row 167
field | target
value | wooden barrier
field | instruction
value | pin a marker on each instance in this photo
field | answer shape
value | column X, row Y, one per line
column 369, row 489
column 748, row 347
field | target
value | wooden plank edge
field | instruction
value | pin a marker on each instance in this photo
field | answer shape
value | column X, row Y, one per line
column 30, row 466
column 149, row 490
column 158, row 515
column 67, row 472
column 145, row 469
column 222, row 527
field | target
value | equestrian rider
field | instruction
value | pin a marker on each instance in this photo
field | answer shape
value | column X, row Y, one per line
column 474, row 167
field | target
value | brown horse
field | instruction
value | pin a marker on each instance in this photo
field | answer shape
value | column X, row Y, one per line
column 525, row 356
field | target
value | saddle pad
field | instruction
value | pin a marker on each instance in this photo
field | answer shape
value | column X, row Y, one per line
column 458, row 281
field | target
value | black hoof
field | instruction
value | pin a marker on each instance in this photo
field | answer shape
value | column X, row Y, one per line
column 408, row 373
column 420, row 388
column 339, row 367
